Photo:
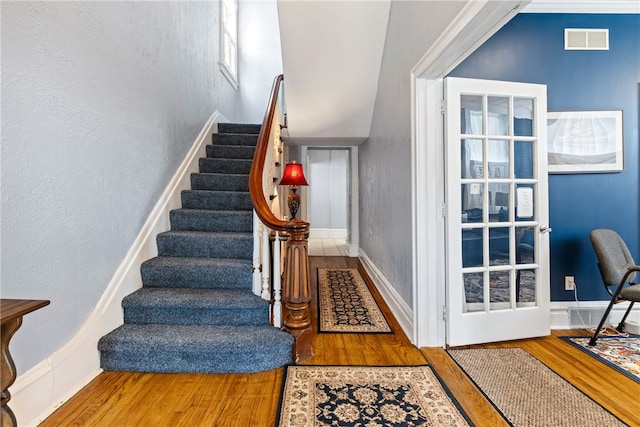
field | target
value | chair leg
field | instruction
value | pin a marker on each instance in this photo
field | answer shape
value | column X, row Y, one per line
column 620, row 327
column 593, row 339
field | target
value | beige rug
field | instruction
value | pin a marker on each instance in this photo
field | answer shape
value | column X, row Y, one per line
column 527, row 392
column 365, row 396
column 346, row 305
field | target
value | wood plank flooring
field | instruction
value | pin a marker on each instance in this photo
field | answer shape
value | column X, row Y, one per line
column 126, row 399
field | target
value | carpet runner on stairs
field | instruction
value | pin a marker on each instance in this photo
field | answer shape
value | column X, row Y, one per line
column 196, row 311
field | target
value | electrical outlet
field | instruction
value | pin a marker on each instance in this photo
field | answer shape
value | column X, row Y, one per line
column 569, row 283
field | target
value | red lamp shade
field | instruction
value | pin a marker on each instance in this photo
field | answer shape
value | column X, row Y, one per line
column 293, row 175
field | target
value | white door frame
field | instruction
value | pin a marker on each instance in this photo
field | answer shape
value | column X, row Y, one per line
column 478, row 21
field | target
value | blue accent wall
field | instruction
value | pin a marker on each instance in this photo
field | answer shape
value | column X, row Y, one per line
column 530, row 48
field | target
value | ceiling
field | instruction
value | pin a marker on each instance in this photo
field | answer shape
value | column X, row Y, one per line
column 332, row 53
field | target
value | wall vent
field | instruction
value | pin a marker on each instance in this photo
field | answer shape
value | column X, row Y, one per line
column 585, row 317
column 586, row 39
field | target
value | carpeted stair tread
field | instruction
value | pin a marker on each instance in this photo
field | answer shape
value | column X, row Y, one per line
column 230, row 151
column 196, row 310
column 205, row 244
column 203, row 273
column 195, row 348
column 216, row 200
column 221, row 182
column 231, row 166
column 186, row 306
column 211, row 220
column 238, row 128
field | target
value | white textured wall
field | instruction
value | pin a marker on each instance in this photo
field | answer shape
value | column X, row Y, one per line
column 100, row 103
column 259, row 59
column 385, row 158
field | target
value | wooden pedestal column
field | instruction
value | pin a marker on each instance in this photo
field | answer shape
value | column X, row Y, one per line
column 297, row 295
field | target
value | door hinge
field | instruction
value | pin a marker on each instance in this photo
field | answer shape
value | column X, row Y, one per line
column 444, row 312
column 443, row 106
column 444, row 210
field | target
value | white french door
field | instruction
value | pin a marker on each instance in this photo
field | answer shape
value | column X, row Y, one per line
column 496, row 211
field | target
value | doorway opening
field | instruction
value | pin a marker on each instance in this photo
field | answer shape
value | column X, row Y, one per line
column 331, row 197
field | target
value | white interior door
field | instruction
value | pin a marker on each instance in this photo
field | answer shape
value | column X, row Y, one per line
column 497, row 211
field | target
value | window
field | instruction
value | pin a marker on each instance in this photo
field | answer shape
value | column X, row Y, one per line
column 229, row 40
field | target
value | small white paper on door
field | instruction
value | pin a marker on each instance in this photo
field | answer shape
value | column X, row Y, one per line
column 524, row 195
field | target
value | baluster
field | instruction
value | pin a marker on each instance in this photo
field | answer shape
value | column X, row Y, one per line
column 257, row 225
column 277, row 283
column 266, row 267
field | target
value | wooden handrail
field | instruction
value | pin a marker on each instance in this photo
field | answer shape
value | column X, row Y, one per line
column 296, row 293
column 260, row 204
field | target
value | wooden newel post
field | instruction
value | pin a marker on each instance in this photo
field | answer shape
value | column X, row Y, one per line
column 296, row 293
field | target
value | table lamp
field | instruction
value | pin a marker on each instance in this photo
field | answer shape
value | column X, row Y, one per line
column 294, row 177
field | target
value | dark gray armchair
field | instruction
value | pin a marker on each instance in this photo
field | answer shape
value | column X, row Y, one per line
column 618, row 269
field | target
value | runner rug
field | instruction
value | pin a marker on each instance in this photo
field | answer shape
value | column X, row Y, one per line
column 527, row 392
column 366, row 396
column 346, row 305
column 622, row 353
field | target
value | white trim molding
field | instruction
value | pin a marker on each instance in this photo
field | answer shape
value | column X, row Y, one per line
column 37, row 393
column 583, row 6
column 353, row 239
column 399, row 308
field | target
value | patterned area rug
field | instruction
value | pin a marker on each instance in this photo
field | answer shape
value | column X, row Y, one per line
column 622, row 353
column 527, row 392
column 366, row 396
column 346, row 305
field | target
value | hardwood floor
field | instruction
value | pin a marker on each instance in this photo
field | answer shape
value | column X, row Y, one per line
column 126, row 399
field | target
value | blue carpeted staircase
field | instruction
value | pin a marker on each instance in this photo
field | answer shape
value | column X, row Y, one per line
column 196, row 311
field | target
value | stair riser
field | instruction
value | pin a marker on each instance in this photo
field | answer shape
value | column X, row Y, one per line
column 205, row 246
column 216, row 200
column 200, row 220
column 230, row 152
column 238, row 128
column 191, row 362
column 234, row 139
column 197, row 316
column 226, row 166
column 223, row 277
column 238, row 182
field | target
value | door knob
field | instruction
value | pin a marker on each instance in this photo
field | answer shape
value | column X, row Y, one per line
column 545, row 229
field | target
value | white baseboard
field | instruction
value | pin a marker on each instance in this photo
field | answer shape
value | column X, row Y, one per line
column 37, row 393
column 561, row 312
column 334, row 233
column 400, row 309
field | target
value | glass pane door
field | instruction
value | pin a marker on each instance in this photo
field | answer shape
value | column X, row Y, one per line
column 494, row 200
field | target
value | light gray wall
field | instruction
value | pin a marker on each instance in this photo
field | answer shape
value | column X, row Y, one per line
column 100, row 103
column 327, row 191
column 259, row 58
column 385, row 158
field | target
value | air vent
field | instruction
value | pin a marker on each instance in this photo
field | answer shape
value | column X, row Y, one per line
column 585, row 317
column 586, row 39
